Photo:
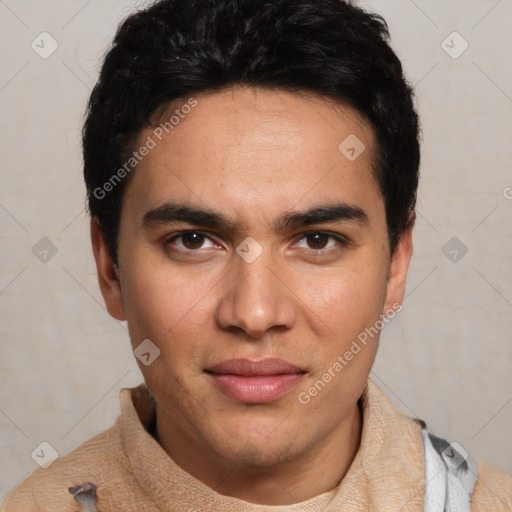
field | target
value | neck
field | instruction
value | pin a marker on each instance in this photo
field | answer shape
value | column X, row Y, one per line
column 315, row 472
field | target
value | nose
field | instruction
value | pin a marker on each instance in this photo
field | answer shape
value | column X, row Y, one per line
column 256, row 299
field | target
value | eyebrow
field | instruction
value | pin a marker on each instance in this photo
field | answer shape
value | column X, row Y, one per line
column 173, row 213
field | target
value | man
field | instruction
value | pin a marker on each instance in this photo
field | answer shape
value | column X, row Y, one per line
column 251, row 169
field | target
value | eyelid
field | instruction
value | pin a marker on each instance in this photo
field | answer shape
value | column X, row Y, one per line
column 342, row 240
column 178, row 234
column 337, row 236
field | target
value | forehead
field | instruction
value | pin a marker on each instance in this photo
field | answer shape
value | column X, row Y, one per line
column 249, row 150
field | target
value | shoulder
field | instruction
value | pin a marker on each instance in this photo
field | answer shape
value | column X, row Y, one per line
column 493, row 490
column 98, row 460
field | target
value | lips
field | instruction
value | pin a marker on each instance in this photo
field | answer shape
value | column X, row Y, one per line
column 255, row 381
column 271, row 366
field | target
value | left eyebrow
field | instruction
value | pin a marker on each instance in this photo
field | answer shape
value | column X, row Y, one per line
column 338, row 212
column 171, row 213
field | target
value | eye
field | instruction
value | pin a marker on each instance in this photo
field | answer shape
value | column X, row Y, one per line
column 315, row 242
column 191, row 241
column 321, row 241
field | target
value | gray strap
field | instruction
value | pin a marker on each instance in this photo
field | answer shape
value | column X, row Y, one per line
column 451, row 475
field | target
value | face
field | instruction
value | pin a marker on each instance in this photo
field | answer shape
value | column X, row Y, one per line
column 253, row 253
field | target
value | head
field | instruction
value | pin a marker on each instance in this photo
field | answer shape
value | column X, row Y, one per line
column 270, row 155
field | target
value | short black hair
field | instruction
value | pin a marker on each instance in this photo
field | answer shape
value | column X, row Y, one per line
column 174, row 49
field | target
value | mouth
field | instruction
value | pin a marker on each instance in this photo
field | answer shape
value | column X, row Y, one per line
column 255, row 382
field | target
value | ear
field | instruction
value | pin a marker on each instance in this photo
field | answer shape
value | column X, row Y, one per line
column 399, row 266
column 108, row 277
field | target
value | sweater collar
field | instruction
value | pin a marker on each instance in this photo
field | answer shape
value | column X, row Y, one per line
column 379, row 477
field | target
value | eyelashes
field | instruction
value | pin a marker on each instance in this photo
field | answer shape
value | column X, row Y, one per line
column 193, row 242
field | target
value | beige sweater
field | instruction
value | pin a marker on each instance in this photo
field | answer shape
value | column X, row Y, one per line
column 133, row 473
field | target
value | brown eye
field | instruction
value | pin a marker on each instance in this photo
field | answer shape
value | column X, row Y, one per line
column 190, row 243
column 192, row 240
column 317, row 240
column 322, row 243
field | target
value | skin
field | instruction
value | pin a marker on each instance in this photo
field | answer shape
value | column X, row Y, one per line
column 252, row 155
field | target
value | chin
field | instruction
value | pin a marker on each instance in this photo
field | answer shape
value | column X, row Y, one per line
column 258, row 455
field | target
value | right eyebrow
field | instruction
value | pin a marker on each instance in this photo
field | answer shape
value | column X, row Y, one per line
column 172, row 213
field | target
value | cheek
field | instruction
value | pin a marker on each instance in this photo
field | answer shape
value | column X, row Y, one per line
column 168, row 311
column 349, row 303
column 161, row 305
column 347, row 300
column 349, row 306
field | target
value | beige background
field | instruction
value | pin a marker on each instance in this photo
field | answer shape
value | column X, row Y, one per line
column 447, row 357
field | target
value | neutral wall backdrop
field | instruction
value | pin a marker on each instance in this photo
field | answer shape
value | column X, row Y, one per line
column 447, row 357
